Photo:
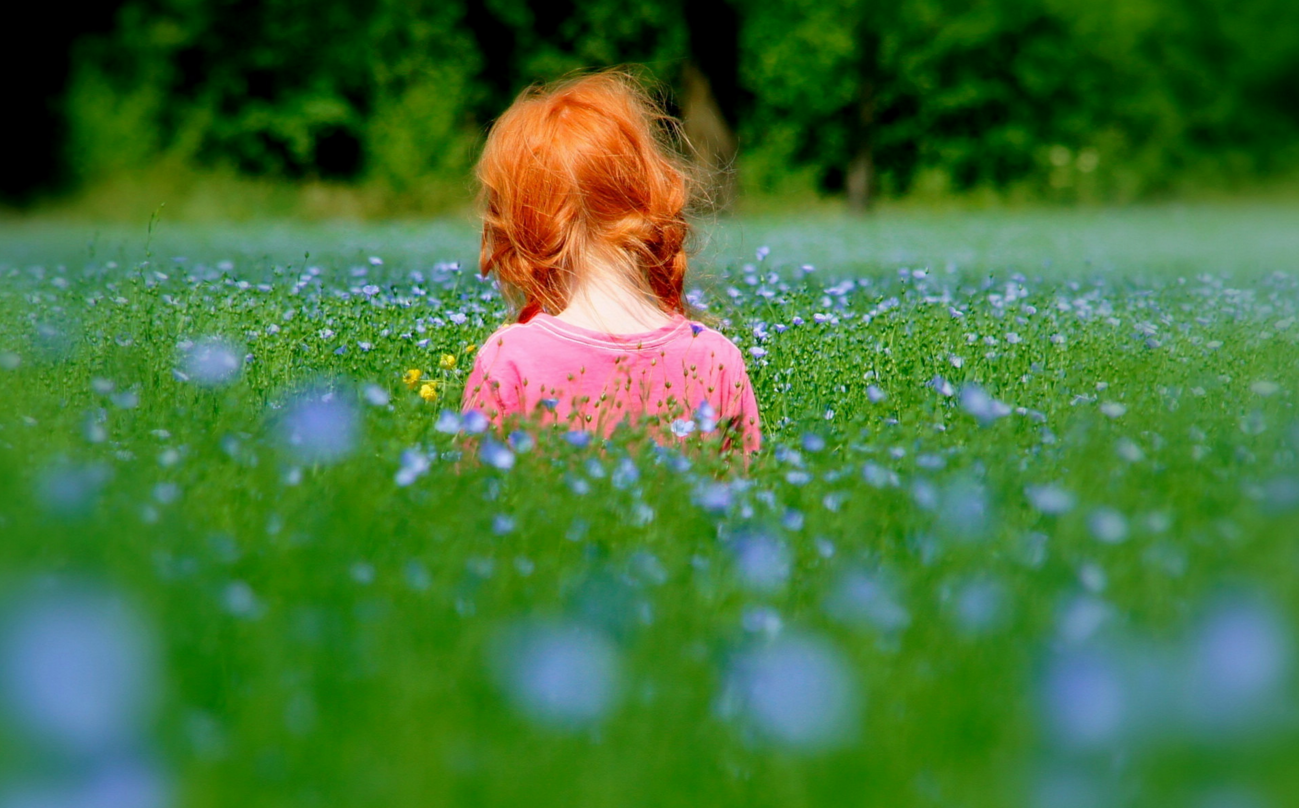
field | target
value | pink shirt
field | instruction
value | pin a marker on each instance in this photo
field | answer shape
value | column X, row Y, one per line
column 688, row 376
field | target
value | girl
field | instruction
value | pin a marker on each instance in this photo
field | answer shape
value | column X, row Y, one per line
column 584, row 226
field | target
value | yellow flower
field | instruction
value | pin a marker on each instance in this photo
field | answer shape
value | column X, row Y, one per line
column 447, row 362
column 412, row 377
column 429, row 391
column 470, row 348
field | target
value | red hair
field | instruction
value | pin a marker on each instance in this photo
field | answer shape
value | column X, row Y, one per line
column 581, row 172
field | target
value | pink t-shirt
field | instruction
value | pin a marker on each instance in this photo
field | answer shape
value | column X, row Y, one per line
column 686, row 375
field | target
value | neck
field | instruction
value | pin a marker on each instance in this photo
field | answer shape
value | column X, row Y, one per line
column 604, row 304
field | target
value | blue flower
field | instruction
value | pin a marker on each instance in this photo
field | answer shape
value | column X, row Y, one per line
column 625, row 474
column 942, row 386
column 714, row 497
column 985, row 409
column 449, row 422
column 496, row 455
column 413, row 464
column 474, row 422
column 707, row 417
column 521, row 441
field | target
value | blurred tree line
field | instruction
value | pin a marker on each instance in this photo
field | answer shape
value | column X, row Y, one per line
column 1104, row 100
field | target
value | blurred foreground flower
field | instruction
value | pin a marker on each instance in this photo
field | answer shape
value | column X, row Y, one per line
column 762, row 562
column 319, row 427
column 68, row 491
column 1240, row 667
column 797, row 691
column 414, row 464
column 978, row 403
column 212, row 362
column 560, row 675
column 868, row 600
column 449, row 422
column 496, row 455
column 78, row 670
column 1052, row 500
column 1229, row 680
column 79, row 681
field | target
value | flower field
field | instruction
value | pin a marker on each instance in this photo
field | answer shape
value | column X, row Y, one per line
column 1022, row 531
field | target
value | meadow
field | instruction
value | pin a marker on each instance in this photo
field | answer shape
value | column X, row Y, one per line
column 1022, row 531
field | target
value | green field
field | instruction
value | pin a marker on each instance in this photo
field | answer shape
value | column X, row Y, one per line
column 1022, row 531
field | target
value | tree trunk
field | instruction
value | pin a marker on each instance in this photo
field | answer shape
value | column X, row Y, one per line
column 712, row 142
column 860, row 176
column 860, row 179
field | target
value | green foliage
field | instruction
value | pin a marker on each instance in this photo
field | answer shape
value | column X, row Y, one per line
column 1110, row 100
column 1090, row 101
column 112, row 131
column 592, row 34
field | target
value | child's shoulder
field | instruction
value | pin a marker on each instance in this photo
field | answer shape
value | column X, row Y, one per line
column 510, row 336
column 504, row 343
column 523, row 343
column 714, row 340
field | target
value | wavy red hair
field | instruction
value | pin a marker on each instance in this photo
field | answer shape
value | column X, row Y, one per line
column 580, row 174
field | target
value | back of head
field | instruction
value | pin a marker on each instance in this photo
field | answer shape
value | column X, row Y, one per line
column 578, row 175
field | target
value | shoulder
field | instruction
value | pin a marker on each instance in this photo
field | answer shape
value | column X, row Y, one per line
column 716, row 343
column 507, row 342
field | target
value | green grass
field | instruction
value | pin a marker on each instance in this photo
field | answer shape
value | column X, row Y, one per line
column 1086, row 601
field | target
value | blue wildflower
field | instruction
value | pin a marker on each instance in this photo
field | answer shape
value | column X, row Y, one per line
column 474, row 422
column 496, row 455
column 714, row 497
column 449, row 422
column 706, row 417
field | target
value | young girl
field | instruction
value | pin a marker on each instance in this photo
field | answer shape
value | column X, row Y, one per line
column 584, row 226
